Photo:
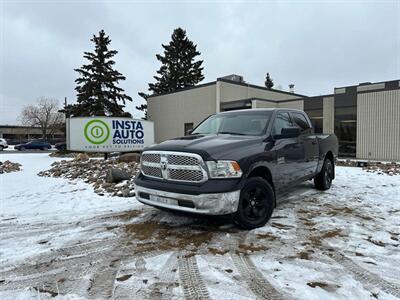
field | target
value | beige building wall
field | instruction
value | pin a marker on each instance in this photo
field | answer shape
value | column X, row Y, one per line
column 263, row 104
column 266, row 104
column 232, row 92
column 328, row 126
column 171, row 111
column 378, row 125
column 292, row 104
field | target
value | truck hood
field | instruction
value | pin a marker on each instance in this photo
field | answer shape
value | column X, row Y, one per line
column 210, row 146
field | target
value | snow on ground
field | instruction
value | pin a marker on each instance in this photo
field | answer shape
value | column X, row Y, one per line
column 59, row 239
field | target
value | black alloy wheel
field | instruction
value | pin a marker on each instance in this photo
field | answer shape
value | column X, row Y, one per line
column 324, row 179
column 256, row 204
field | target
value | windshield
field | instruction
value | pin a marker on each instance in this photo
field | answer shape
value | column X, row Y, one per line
column 238, row 123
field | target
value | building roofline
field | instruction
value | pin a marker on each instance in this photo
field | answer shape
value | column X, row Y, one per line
column 228, row 81
column 259, row 87
column 184, row 89
column 321, row 96
column 355, row 85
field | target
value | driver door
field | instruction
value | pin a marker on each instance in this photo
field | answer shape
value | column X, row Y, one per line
column 288, row 151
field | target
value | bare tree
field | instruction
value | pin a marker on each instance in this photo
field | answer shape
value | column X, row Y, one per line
column 44, row 114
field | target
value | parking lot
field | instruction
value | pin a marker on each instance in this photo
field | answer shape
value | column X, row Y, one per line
column 60, row 239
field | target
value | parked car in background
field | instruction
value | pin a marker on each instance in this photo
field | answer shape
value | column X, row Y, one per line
column 62, row 146
column 236, row 163
column 3, row 144
column 33, row 145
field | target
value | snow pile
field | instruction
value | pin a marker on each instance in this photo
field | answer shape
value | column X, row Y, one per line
column 8, row 167
column 94, row 171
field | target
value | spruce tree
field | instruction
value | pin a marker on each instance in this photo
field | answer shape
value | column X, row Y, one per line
column 269, row 82
column 178, row 66
column 97, row 90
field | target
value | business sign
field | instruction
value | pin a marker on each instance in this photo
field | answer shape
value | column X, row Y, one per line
column 107, row 134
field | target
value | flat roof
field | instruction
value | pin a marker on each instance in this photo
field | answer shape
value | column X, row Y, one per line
column 366, row 83
column 231, row 82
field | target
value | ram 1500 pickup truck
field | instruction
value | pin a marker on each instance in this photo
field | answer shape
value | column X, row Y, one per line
column 236, row 163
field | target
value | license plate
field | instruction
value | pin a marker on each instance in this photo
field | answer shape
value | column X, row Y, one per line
column 162, row 199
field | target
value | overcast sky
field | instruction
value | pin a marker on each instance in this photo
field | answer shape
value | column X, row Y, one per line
column 317, row 45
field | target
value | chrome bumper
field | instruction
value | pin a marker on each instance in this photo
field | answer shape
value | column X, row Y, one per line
column 207, row 204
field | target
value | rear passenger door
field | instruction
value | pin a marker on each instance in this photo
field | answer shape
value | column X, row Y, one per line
column 289, row 154
column 309, row 143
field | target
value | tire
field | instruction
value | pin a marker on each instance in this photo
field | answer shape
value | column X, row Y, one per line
column 1, row 148
column 22, row 149
column 323, row 181
column 256, row 204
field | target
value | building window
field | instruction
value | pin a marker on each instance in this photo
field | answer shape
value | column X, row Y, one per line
column 314, row 109
column 317, row 119
column 188, row 127
column 346, row 130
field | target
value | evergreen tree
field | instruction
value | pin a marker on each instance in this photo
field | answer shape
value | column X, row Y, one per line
column 269, row 83
column 178, row 66
column 97, row 90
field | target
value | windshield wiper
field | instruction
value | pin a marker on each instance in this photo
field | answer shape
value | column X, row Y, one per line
column 228, row 132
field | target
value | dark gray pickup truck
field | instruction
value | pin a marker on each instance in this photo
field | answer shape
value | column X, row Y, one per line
column 236, row 163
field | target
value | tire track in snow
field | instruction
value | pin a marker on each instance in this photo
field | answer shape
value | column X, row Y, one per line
column 189, row 275
column 98, row 259
column 166, row 282
column 368, row 279
column 257, row 283
column 103, row 281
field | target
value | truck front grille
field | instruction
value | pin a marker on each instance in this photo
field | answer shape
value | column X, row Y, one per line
column 151, row 171
column 174, row 166
column 186, row 175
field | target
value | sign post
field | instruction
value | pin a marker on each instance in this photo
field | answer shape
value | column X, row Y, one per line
column 108, row 134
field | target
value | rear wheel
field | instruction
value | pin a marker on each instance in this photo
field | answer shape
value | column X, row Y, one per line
column 1, row 148
column 323, row 181
column 22, row 149
column 256, row 204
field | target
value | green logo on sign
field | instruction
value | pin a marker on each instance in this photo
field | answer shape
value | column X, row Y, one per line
column 96, row 132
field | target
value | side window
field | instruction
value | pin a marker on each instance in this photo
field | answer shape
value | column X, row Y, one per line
column 282, row 120
column 301, row 121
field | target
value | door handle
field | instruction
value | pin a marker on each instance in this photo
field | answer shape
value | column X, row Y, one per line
column 314, row 142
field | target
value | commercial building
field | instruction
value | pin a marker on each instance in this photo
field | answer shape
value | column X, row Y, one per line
column 20, row 134
column 175, row 113
column 365, row 117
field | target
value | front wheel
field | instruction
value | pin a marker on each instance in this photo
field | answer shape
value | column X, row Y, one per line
column 256, row 204
column 323, row 181
column 22, row 149
column 1, row 148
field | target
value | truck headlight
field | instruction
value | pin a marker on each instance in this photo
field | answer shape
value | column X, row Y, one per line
column 224, row 169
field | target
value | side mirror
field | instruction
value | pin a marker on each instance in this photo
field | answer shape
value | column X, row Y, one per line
column 189, row 132
column 287, row 133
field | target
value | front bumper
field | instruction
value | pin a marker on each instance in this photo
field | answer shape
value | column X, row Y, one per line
column 207, row 204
